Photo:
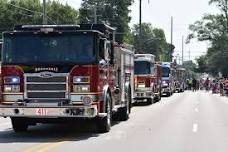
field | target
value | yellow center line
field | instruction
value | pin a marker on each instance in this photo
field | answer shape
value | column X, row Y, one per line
column 34, row 147
column 44, row 147
column 136, row 109
column 52, row 146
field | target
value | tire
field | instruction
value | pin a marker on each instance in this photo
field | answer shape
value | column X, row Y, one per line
column 104, row 124
column 158, row 98
column 150, row 101
column 19, row 125
column 124, row 112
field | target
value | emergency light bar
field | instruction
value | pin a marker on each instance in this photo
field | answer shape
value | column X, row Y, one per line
column 49, row 27
column 108, row 31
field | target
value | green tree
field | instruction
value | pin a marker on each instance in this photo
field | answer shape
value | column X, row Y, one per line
column 153, row 41
column 16, row 12
column 214, row 28
column 115, row 13
column 202, row 63
column 189, row 65
column 61, row 14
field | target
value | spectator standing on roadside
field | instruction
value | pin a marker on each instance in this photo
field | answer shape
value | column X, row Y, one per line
column 188, row 84
column 194, row 84
column 221, row 88
column 207, row 84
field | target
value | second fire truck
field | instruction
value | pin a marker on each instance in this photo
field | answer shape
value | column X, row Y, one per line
column 147, row 78
column 65, row 72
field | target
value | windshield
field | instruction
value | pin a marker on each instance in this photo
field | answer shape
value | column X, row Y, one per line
column 52, row 48
column 143, row 68
column 165, row 72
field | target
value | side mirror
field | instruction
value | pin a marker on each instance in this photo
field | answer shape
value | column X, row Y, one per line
column 112, row 60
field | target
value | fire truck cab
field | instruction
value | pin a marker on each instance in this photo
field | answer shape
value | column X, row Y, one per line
column 147, row 86
column 56, row 73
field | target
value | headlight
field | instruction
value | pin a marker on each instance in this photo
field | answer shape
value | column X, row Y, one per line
column 81, row 79
column 87, row 100
column 11, row 88
column 81, row 88
column 12, row 80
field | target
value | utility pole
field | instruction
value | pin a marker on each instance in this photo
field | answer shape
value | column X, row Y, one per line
column 171, row 47
column 45, row 22
column 182, row 50
column 95, row 14
column 189, row 55
column 140, row 25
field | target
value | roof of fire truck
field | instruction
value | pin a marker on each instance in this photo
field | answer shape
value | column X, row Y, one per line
column 145, row 57
column 104, row 29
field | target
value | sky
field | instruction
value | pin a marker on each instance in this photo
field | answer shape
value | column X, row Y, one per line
column 159, row 12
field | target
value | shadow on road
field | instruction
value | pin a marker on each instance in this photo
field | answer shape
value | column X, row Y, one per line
column 141, row 104
column 52, row 133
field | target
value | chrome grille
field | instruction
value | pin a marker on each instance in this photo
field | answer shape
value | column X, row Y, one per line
column 54, row 87
column 37, row 87
column 53, row 79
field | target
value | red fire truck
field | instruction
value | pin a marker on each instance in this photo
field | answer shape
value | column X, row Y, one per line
column 147, row 78
column 63, row 73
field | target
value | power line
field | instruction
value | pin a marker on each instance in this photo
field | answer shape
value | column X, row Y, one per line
column 28, row 15
column 23, row 8
column 28, row 10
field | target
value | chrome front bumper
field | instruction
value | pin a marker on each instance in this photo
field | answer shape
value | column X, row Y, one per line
column 143, row 95
column 51, row 112
column 166, row 90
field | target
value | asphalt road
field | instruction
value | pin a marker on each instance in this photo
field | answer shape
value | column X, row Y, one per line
column 187, row 122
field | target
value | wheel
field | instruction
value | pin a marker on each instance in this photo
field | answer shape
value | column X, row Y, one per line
column 150, row 101
column 104, row 124
column 123, row 113
column 158, row 98
column 19, row 124
column 159, row 95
